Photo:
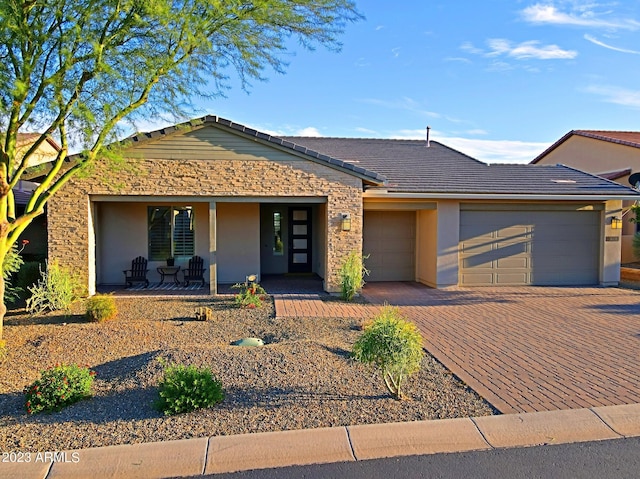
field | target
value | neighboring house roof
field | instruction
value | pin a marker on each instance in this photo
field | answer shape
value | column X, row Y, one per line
column 615, row 174
column 627, row 138
column 412, row 167
column 26, row 138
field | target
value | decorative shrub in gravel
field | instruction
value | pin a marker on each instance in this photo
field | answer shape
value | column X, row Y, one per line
column 352, row 273
column 58, row 387
column 101, row 307
column 392, row 345
column 187, row 388
column 251, row 295
column 56, row 290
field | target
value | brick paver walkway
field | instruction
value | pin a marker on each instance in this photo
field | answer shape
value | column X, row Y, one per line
column 522, row 349
column 301, row 305
column 530, row 349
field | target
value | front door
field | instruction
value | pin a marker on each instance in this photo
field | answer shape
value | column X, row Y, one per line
column 299, row 240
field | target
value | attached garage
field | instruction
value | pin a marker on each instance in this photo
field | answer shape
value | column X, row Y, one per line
column 530, row 246
column 389, row 239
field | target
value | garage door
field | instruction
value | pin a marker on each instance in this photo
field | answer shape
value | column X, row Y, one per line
column 389, row 239
column 529, row 247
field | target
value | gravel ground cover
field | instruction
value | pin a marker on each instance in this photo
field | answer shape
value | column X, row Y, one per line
column 302, row 378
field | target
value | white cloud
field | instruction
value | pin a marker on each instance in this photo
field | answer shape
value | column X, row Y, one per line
column 529, row 49
column 584, row 17
column 469, row 47
column 488, row 151
column 396, row 52
column 308, row 131
column 496, row 151
column 610, row 47
column 616, row 95
column 457, row 59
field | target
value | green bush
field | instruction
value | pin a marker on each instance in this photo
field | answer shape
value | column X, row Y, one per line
column 56, row 290
column 10, row 266
column 352, row 273
column 58, row 387
column 393, row 346
column 251, row 294
column 187, row 388
column 101, row 307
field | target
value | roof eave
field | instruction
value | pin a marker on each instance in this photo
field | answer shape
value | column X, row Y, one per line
column 499, row 196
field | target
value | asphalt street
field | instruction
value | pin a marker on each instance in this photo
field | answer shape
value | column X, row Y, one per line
column 617, row 458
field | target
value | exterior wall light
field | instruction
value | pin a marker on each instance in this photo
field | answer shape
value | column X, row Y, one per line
column 346, row 221
column 616, row 223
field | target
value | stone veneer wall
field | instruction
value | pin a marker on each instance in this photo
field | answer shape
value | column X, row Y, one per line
column 68, row 211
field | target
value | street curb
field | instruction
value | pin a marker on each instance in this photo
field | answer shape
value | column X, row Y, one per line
column 219, row 454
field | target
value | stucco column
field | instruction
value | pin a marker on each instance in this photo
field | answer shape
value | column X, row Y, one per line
column 91, row 249
column 611, row 245
column 213, row 247
column 448, row 241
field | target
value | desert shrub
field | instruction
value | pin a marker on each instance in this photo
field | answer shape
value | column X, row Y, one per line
column 101, row 307
column 251, row 294
column 10, row 266
column 187, row 388
column 56, row 290
column 352, row 273
column 393, row 346
column 58, row 387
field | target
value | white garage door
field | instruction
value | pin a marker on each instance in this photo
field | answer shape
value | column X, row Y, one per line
column 529, row 247
column 389, row 239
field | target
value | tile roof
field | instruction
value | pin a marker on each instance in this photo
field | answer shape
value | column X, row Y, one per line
column 627, row 138
column 412, row 167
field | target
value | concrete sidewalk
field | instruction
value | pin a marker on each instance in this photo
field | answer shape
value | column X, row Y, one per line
column 221, row 454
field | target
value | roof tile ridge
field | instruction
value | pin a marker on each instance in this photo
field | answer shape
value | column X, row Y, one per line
column 595, row 134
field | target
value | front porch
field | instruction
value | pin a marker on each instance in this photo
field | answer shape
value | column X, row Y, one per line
column 270, row 238
column 273, row 284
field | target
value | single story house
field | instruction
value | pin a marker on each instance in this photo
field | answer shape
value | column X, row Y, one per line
column 614, row 155
column 251, row 203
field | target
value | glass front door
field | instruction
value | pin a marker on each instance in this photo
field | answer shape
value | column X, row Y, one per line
column 299, row 240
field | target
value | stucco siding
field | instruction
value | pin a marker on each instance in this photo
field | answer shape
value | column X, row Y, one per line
column 121, row 235
column 427, row 247
column 238, row 241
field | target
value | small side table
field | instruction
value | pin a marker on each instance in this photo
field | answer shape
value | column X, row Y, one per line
column 169, row 271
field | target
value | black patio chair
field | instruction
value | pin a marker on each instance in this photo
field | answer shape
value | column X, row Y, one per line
column 137, row 273
column 195, row 271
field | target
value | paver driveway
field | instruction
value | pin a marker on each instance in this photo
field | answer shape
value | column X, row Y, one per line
column 530, row 349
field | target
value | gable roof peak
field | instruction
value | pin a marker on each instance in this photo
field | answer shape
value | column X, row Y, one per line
column 626, row 138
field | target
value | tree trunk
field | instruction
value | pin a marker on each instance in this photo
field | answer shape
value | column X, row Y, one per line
column 3, row 306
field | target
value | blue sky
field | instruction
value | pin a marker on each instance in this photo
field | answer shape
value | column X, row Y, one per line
column 498, row 80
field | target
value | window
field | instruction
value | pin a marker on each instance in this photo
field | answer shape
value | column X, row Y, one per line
column 278, row 247
column 171, row 232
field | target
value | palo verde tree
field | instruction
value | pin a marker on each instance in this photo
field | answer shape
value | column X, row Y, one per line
column 78, row 71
